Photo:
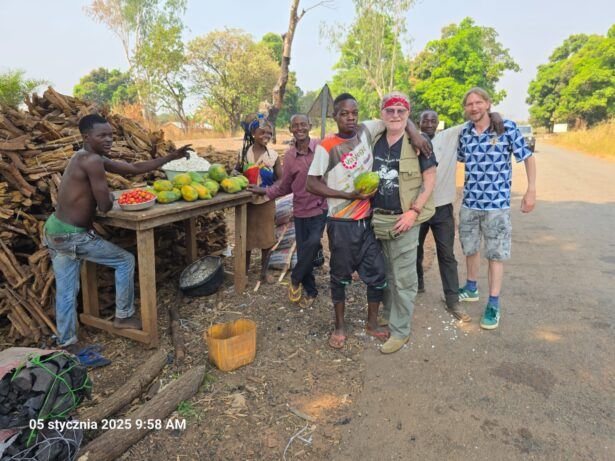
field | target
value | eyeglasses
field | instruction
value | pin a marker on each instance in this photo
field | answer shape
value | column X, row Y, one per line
column 391, row 111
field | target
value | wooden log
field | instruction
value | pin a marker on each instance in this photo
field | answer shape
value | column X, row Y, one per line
column 112, row 444
column 174, row 325
column 128, row 391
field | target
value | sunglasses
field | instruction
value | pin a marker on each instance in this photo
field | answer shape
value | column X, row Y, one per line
column 391, row 111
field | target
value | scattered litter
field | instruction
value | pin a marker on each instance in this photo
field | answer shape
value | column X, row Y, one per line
column 297, row 435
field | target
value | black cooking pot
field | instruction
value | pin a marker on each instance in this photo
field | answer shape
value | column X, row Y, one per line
column 203, row 277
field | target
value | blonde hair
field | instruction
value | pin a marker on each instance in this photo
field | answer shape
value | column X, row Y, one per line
column 478, row 91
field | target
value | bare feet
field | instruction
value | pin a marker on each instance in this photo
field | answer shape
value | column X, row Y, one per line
column 268, row 279
column 129, row 322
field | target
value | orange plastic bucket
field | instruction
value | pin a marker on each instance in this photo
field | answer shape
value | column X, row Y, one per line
column 231, row 345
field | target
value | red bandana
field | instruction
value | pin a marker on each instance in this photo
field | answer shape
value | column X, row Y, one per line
column 397, row 100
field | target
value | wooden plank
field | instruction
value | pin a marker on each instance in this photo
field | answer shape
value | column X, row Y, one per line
column 164, row 209
column 147, row 284
column 191, row 250
column 241, row 215
column 137, row 335
column 89, row 289
column 142, row 221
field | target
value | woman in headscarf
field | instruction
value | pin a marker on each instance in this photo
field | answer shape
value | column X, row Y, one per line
column 261, row 165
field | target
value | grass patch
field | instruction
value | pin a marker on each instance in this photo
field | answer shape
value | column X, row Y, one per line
column 186, row 410
column 598, row 141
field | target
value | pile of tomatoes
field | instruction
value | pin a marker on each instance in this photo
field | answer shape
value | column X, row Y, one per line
column 135, row 196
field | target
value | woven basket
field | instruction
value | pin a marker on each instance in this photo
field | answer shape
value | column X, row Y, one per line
column 231, row 345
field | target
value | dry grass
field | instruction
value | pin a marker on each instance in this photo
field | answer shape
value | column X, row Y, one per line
column 598, row 141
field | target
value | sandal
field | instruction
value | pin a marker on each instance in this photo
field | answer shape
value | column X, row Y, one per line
column 337, row 341
column 294, row 294
column 380, row 334
column 307, row 302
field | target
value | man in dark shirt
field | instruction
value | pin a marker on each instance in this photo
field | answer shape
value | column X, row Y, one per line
column 401, row 203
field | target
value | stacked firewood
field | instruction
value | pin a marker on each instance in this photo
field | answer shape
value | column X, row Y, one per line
column 35, row 147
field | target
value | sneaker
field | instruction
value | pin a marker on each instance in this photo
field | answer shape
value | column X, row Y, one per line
column 468, row 295
column 491, row 318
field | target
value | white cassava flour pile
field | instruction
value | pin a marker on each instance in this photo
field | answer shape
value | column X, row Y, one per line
column 193, row 163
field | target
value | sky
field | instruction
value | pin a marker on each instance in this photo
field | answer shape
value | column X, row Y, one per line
column 56, row 41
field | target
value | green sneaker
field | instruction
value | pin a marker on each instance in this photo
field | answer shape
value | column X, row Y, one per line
column 468, row 295
column 491, row 318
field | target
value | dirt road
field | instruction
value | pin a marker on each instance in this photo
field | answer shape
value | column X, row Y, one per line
column 542, row 386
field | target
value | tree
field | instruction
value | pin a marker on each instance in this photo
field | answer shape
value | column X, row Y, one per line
column 132, row 22
column 293, row 93
column 372, row 62
column 161, row 59
column 14, row 87
column 279, row 89
column 104, row 86
column 577, row 85
column 466, row 55
column 231, row 73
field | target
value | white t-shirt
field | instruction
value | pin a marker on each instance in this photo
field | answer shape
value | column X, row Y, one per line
column 339, row 161
column 445, row 145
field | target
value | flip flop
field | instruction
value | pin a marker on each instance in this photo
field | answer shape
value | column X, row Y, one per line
column 380, row 335
column 337, row 341
column 307, row 302
column 294, row 294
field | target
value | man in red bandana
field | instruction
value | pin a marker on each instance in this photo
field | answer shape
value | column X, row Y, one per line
column 401, row 204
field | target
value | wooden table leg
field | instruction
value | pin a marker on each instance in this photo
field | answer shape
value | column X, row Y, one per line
column 147, row 284
column 241, row 215
column 89, row 288
column 191, row 250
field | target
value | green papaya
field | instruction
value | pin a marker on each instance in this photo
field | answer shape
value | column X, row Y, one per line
column 182, row 179
column 163, row 184
column 217, row 172
column 203, row 191
column 196, row 177
column 231, row 185
column 167, row 196
column 366, row 183
column 212, row 186
column 189, row 193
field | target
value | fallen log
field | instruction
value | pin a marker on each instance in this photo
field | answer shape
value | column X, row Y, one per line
column 112, row 444
column 129, row 391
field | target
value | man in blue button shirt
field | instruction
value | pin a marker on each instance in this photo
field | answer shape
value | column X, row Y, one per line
column 485, row 209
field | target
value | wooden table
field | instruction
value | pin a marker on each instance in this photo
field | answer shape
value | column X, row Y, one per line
column 144, row 222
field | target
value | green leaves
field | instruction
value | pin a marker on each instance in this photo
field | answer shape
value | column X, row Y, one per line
column 577, row 85
column 104, row 86
column 466, row 55
column 230, row 74
column 14, row 87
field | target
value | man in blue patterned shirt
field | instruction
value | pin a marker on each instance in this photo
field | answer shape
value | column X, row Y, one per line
column 485, row 209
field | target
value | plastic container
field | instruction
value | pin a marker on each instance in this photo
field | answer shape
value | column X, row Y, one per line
column 231, row 345
column 203, row 277
column 170, row 174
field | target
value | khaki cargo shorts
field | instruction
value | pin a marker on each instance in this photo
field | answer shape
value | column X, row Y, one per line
column 493, row 226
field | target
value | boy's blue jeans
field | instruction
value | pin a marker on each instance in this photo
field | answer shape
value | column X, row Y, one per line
column 67, row 251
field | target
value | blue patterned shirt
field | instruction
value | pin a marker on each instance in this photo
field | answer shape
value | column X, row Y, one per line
column 488, row 166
